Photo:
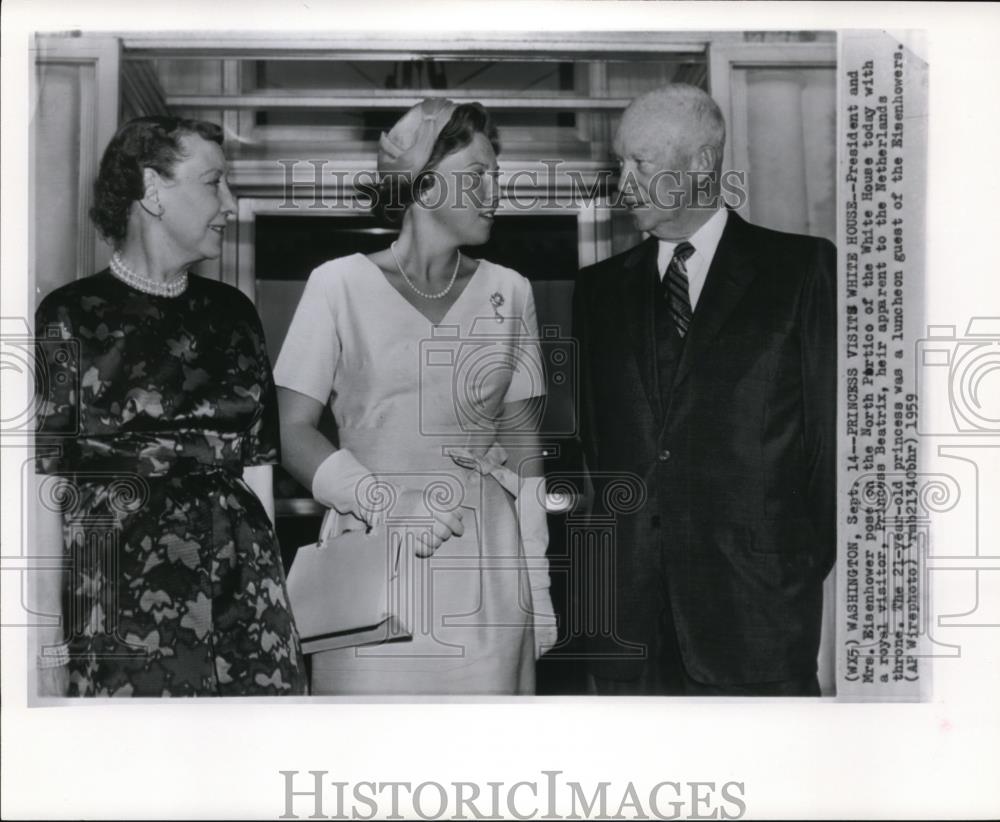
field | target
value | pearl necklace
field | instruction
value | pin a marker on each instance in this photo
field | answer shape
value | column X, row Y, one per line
column 169, row 288
column 424, row 294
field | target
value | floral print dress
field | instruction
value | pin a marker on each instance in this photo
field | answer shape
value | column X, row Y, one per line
column 152, row 406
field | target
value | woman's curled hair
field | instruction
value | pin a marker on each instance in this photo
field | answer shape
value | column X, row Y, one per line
column 145, row 142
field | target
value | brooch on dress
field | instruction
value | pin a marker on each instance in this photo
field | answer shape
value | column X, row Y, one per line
column 496, row 300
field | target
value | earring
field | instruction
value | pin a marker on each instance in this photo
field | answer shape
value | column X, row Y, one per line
column 157, row 215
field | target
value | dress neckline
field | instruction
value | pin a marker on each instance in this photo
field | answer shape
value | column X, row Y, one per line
column 411, row 306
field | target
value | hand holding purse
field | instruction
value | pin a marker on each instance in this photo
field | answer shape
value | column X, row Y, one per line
column 358, row 497
column 350, row 588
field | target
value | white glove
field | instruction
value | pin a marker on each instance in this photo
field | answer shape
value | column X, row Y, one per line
column 345, row 485
column 535, row 539
column 546, row 624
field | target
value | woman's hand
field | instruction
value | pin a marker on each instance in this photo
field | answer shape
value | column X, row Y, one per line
column 410, row 503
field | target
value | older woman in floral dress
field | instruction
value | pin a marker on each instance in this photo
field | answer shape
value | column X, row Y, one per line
column 156, row 397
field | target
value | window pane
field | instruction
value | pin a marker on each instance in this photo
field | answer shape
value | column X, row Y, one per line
column 57, row 173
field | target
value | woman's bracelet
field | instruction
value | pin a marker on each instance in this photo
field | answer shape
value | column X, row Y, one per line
column 52, row 656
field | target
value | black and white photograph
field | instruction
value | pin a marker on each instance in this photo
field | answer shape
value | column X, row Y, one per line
column 497, row 410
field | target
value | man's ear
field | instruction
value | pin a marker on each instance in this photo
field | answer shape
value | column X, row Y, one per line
column 708, row 158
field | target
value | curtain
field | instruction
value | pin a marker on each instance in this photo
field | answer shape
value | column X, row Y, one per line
column 791, row 148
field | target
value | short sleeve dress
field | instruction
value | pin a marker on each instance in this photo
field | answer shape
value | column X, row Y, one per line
column 151, row 407
column 406, row 393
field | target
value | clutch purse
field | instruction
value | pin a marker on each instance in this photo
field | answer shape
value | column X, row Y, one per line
column 350, row 589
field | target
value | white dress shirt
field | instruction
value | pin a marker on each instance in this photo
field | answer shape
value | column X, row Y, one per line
column 705, row 240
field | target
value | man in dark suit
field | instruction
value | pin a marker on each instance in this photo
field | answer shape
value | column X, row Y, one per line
column 708, row 369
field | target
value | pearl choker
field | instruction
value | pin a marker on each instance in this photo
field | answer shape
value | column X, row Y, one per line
column 158, row 288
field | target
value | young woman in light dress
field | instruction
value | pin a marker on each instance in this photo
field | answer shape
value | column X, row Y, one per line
column 430, row 363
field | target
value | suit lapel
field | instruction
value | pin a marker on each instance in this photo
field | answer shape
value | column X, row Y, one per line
column 731, row 272
column 639, row 269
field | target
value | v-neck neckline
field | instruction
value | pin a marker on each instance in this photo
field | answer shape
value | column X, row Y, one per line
column 411, row 306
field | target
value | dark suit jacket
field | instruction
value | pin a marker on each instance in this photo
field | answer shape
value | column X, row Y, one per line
column 738, row 527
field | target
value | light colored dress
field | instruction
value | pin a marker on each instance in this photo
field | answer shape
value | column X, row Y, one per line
column 405, row 393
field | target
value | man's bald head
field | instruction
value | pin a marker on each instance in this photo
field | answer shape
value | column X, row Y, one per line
column 681, row 117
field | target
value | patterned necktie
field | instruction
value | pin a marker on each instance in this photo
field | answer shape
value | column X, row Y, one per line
column 676, row 288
